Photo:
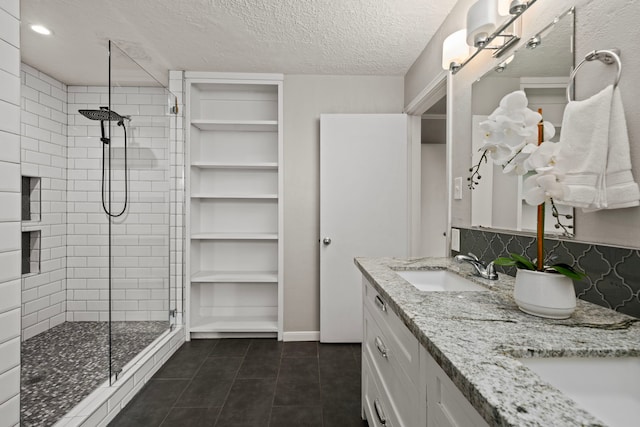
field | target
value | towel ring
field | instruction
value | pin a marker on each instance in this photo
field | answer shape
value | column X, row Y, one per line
column 607, row 56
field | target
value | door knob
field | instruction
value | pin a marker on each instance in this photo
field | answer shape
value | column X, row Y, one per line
column 326, row 241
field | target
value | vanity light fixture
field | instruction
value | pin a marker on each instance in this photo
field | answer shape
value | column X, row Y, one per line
column 455, row 50
column 41, row 29
column 534, row 42
column 503, row 65
column 517, row 7
column 482, row 19
column 482, row 16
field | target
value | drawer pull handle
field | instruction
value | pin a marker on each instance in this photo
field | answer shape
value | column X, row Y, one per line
column 381, row 304
column 381, row 417
column 381, row 347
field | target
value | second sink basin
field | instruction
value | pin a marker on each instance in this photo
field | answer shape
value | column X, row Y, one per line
column 609, row 388
column 439, row 280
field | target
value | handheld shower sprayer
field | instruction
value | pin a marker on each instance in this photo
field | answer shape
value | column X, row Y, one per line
column 105, row 114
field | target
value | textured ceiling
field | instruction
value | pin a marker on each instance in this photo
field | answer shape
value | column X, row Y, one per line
column 356, row 37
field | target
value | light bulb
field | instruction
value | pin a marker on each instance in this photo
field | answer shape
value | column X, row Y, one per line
column 41, row 29
column 455, row 50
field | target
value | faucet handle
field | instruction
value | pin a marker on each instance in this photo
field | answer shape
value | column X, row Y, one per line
column 473, row 256
column 491, row 271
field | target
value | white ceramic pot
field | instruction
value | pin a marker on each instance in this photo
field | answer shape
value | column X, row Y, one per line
column 545, row 294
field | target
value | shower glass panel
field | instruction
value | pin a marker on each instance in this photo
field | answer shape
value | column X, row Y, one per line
column 136, row 204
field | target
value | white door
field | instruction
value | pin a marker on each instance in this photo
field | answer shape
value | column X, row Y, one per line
column 434, row 200
column 364, row 187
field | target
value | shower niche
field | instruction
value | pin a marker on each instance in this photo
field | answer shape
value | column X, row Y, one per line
column 31, row 216
column 30, row 199
column 31, row 252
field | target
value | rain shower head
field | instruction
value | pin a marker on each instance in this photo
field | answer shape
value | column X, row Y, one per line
column 103, row 114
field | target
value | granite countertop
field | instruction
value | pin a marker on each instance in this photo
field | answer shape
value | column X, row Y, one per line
column 476, row 337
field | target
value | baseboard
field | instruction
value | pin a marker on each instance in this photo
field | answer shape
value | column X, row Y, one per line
column 301, row 336
column 219, row 335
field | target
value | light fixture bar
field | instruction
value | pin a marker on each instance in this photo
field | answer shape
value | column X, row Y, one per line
column 500, row 50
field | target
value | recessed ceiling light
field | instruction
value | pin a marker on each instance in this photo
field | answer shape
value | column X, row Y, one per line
column 41, row 29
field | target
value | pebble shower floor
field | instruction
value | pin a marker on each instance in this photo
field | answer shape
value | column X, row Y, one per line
column 63, row 365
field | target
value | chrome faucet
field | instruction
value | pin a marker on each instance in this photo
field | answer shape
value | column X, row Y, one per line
column 486, row 272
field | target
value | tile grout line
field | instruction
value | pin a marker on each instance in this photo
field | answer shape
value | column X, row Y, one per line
column 232, row 383
column 195, row 373
column 273, row 400
column 320, row 387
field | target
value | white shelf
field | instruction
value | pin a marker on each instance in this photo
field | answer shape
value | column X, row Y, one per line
column 235, row 277
column 233, row 258
column 214, row 165
column 234, row 236
column 234, row 324
column 233, row 196
column 237, row 125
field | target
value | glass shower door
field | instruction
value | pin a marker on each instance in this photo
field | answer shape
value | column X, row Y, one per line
column 137, row 202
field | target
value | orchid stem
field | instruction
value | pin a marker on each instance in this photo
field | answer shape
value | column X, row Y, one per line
column 475, row 171
column 540, row 224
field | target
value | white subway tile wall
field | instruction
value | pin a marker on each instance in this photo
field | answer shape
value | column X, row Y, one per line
column 44, row 154
column 10, row 261
column 140, row 237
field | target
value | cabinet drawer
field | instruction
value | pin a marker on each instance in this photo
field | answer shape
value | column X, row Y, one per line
column 400, row 340
column 399, row 388
column 375, row 403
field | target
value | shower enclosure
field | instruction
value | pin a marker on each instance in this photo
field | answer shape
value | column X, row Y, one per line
column 121, row 257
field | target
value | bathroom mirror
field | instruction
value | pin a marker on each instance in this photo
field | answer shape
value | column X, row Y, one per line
column 541, row 68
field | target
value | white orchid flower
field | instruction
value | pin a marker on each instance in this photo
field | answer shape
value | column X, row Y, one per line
column 512, row 122
column 544, row 156
column 546, row 183
column 499, row 152
column 514, row 101
column 510, row 136
column 549, row 132
column 518, row 162
column 492, row 131
column 513, row 130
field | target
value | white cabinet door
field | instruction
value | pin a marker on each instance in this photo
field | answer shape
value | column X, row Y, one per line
column 364, row 210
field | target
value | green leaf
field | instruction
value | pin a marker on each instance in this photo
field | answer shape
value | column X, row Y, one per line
column 528, row 265
column 568, row 271
column 504, row 261
column 522, row 266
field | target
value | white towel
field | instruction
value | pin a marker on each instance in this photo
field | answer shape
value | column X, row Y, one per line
column 594, row 154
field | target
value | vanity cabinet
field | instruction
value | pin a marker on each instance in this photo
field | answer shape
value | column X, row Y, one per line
column 402, row 385
column 234, row 204
column 446, row 405
column 390, row 365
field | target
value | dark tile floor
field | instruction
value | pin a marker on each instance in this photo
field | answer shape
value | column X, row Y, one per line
column 252, row 382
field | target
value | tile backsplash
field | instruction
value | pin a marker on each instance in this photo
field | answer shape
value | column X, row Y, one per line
column 613, row 273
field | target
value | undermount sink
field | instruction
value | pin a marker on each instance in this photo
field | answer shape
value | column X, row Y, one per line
column 608, row 388
column 439, row 280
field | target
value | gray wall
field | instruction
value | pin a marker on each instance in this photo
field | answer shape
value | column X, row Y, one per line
column 600, row 24
column 305, row 97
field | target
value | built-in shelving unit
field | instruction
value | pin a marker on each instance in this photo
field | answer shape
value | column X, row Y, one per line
column 234, row 210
